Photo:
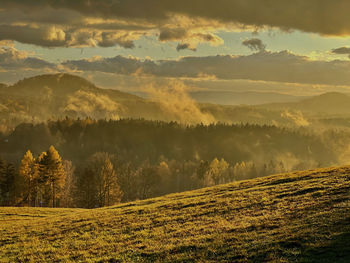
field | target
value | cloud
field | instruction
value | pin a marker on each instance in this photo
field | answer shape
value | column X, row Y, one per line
column 342, row 51
column 172, row 34
column 176, row 104
column 12, row 59
column 7, row 43
column 52, row 23
column 189, row 37
column 254, row 44
column 182, row 46
column 261, row 66
column 86, row 104
column 117, row 65
column 297, row 117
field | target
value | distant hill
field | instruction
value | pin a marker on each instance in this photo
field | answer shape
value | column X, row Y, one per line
column 237, row 98
column 332, row 103
column 242, row 98
column 60, row 95
column 63, row 85
column 296, row 217
column 55, row 96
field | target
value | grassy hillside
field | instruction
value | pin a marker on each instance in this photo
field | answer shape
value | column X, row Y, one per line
column 302, row 216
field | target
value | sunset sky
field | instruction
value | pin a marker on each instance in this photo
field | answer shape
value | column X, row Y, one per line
column 296, row 47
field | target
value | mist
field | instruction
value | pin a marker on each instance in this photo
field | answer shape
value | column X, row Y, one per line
column 176, row 103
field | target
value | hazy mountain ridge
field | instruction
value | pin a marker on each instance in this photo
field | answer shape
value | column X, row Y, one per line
column 52, row 96
column 243, row 98
column 59, row 95
column 55, row 96
column 331, row 103
column 233, row 98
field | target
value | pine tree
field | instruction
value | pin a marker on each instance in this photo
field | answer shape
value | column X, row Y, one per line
column 44, row 193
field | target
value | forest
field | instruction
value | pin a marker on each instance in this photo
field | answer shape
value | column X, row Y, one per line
column 94, row 163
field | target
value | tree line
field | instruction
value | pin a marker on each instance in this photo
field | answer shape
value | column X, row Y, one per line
column 103, row 180
column 93, row 163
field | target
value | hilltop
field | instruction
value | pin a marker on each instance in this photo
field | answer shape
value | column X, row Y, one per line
column 301, row 216
column 60, row 95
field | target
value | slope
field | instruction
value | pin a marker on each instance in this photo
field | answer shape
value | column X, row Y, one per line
column 301, row 216
column 332, row 103
column 242, row 98
column 59, row 95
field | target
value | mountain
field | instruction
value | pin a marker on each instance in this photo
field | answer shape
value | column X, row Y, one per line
column 242, row 98
column 295, row 217
column 59, row 95
column 55, row 96
column 332, row 103
column 62, row 85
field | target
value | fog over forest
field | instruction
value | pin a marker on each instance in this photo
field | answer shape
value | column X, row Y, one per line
column 137, row 148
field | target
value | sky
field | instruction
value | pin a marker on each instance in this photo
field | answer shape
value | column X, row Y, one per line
column 293, row 47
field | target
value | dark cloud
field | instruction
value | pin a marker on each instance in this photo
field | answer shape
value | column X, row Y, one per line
column 182, row 46
column 265, row 66
column 43, row 36
column 172, row 34
column 195, row 19
column 111, row 39
column 254, row 44
column 341, row 51
column 283, row 67
column 319, row 16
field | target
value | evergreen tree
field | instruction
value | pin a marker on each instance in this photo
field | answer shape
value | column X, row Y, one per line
column 86, row 188
column 7, row 183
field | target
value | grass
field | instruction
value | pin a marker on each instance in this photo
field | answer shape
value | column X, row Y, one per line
column 296, row 217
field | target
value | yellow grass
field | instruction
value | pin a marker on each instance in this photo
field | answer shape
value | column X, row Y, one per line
column 302, row 216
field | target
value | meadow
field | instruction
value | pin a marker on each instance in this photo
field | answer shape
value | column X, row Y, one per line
column 294, row 217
